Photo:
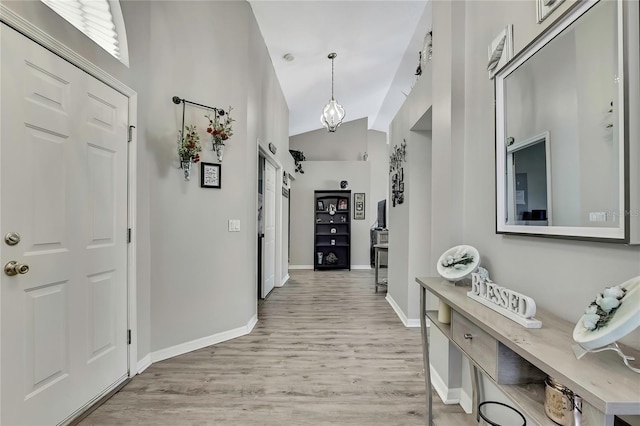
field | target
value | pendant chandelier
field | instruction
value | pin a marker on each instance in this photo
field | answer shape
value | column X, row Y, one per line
column 333, row 113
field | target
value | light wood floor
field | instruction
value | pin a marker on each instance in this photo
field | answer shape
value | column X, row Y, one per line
column 327, row 350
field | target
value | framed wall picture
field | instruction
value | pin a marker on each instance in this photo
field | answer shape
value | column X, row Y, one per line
column 210, row 174
column 359, row 208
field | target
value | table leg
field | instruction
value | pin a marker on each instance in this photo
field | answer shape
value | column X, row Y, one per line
column 425, row 352
column 377, row 265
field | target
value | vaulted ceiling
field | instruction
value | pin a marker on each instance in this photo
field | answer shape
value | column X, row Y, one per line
column 377, row 44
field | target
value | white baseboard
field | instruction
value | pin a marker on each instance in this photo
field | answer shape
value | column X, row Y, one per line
column 284, row 280
column 203, row 342
column 446, row 394
column 466, row 402
column 143, row 364
column 300, row 266
column 408, row 322
column 361, row 267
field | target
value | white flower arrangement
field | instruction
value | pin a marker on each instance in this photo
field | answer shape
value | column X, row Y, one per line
column 601, row 310
column 458, row 260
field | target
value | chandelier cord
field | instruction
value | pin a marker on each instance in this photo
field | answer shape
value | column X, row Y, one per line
column 332, row 78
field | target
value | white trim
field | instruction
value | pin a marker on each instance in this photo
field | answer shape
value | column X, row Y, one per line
column 300, row 267
column 29, row 30
column 447, row 395
column 284, row 280
column 143, row 364
column 367, row 267
column 263, row 150
column 25, row 27
column 203, row 342
column 408, row 322
column 466, row 402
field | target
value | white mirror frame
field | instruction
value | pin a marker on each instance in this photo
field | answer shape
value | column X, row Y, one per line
column 608, row 234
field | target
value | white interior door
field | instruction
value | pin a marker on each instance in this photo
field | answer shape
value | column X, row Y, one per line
column 63, row 168
column 269, row 211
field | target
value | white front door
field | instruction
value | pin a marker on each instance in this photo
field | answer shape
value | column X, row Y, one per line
column 269, row 210
column 63, row 183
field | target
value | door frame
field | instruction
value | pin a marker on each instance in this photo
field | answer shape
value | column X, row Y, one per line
column 263, row 151
column 34, row 33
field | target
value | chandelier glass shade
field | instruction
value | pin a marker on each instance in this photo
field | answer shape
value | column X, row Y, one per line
column 333, row 113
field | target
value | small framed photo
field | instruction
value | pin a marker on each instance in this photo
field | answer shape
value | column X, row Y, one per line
column 210, row 174
column 358, row 202
column 342, row 204
column 320, row 206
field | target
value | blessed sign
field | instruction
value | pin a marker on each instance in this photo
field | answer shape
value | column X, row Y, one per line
column 515, row 306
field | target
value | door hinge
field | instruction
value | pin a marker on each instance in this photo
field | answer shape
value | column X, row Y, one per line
column 128, row 337
column 129, row 235
column 130, row 134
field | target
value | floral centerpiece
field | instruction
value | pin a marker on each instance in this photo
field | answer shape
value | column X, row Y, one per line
column 220, row 128
column 601, row 310
column 189, row 148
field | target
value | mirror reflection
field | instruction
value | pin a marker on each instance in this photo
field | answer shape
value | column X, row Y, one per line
column 559, row 110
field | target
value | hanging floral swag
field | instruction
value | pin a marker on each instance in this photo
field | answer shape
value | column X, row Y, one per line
column 220, row 126
column 189, row 146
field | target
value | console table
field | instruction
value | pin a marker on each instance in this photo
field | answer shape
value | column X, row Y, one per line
column 516, row 358
column 379, row 249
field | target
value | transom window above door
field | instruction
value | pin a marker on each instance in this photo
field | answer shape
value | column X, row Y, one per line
column 100, row 20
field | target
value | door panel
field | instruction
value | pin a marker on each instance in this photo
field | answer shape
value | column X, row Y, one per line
column 63, row 171
column 269, row 228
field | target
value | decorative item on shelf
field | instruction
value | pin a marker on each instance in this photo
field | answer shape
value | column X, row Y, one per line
column 333, row 242
column 365, row 156
column 318, row 220
column 320, row 205
column 220, row 128
column 332, row 209
column 342, row 204
column 298, row 158
column 515, row 306
column 343, row 219
column 613, row 314
column 319, row 257
column 344, row 184
column 189, row 149
column 332, row 231
column 458, row 262
column 333, row 113
column 561, row 404
column 331, row 258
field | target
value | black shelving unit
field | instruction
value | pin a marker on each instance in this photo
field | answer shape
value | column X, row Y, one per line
column 332, row 230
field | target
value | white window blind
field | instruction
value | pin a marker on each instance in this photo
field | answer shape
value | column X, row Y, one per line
column 100, row 20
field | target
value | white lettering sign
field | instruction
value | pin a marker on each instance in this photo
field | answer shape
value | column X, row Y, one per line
column 513, row 305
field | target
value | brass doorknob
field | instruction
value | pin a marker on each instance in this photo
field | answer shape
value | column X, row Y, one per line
column 14, row 268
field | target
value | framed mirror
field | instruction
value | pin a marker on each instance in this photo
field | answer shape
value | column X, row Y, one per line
column 560, row 130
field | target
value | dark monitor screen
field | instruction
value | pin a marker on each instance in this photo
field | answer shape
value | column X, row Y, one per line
column 382, row 213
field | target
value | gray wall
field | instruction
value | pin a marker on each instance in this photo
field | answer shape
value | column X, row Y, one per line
column 188, row 282
column 326, row 175
column 348, row 143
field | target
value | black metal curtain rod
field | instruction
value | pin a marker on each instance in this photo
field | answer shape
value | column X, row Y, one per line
column 177, row 100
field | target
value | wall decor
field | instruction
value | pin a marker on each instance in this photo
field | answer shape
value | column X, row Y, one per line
column 344, row 184
column 359, row 206
column 500, row 50
column 545, row 7
column 458, row 262
column 285, row 192
column 210, row 174
column 427, row 48
column 221, row 129
column 397, row 187
column 272, row 148
column 398, row 156
column 189, row 149
column 590, row 167
column 298, row 158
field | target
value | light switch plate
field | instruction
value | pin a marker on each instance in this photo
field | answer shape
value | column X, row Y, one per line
column 234, row 225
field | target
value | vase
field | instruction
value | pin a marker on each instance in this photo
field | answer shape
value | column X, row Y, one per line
column 219, row 149
column 186, row 168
